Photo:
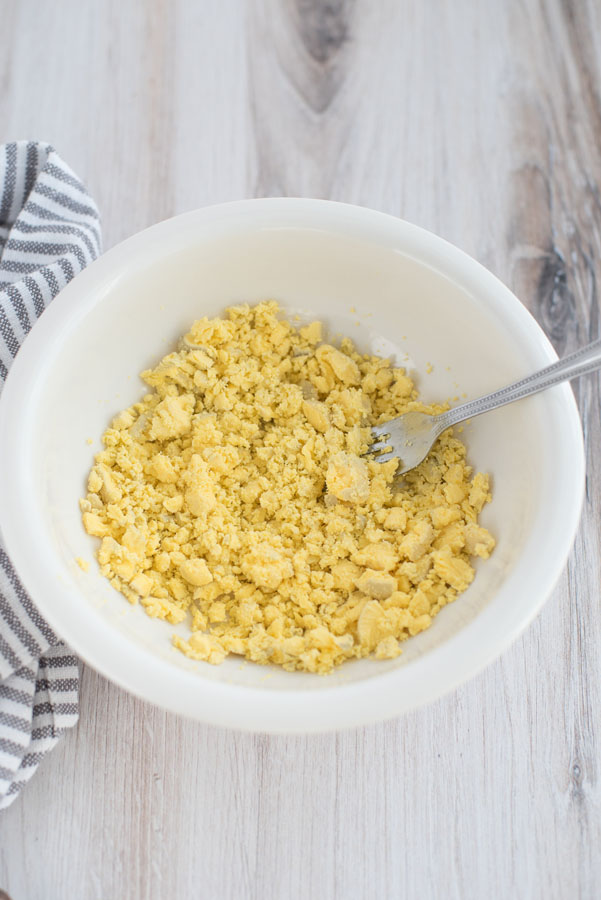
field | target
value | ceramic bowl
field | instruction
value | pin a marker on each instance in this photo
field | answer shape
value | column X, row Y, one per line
column 397, row 290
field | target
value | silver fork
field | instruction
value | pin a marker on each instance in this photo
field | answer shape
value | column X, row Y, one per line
column 410, row 437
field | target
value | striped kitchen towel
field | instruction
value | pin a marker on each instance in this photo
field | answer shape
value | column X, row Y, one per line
column 49, row 230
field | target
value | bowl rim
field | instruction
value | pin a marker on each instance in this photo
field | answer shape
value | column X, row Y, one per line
column 248, row 708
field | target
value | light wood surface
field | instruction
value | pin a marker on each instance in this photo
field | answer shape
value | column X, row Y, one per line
column 482, row 122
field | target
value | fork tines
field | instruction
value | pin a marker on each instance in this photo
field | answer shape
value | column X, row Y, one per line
column 382, row 442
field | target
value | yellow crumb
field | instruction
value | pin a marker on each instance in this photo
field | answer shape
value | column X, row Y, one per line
column 83, row 564
column 236, row 496
column 89, row 441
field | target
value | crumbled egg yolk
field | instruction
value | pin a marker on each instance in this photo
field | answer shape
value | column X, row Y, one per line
column 236, row 495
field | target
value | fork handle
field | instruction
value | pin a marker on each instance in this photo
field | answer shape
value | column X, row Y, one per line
column 581, row 362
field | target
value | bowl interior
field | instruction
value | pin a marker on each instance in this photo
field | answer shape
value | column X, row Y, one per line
column 395, row 292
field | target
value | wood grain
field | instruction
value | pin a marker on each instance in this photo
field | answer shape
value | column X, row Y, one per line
column 479, row 121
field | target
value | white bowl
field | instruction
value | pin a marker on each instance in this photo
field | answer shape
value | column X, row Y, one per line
column 413, row 294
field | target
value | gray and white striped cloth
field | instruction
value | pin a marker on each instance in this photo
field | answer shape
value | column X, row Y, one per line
column 49, row 230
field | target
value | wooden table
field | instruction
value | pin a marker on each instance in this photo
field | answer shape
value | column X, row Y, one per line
column 482, row 122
